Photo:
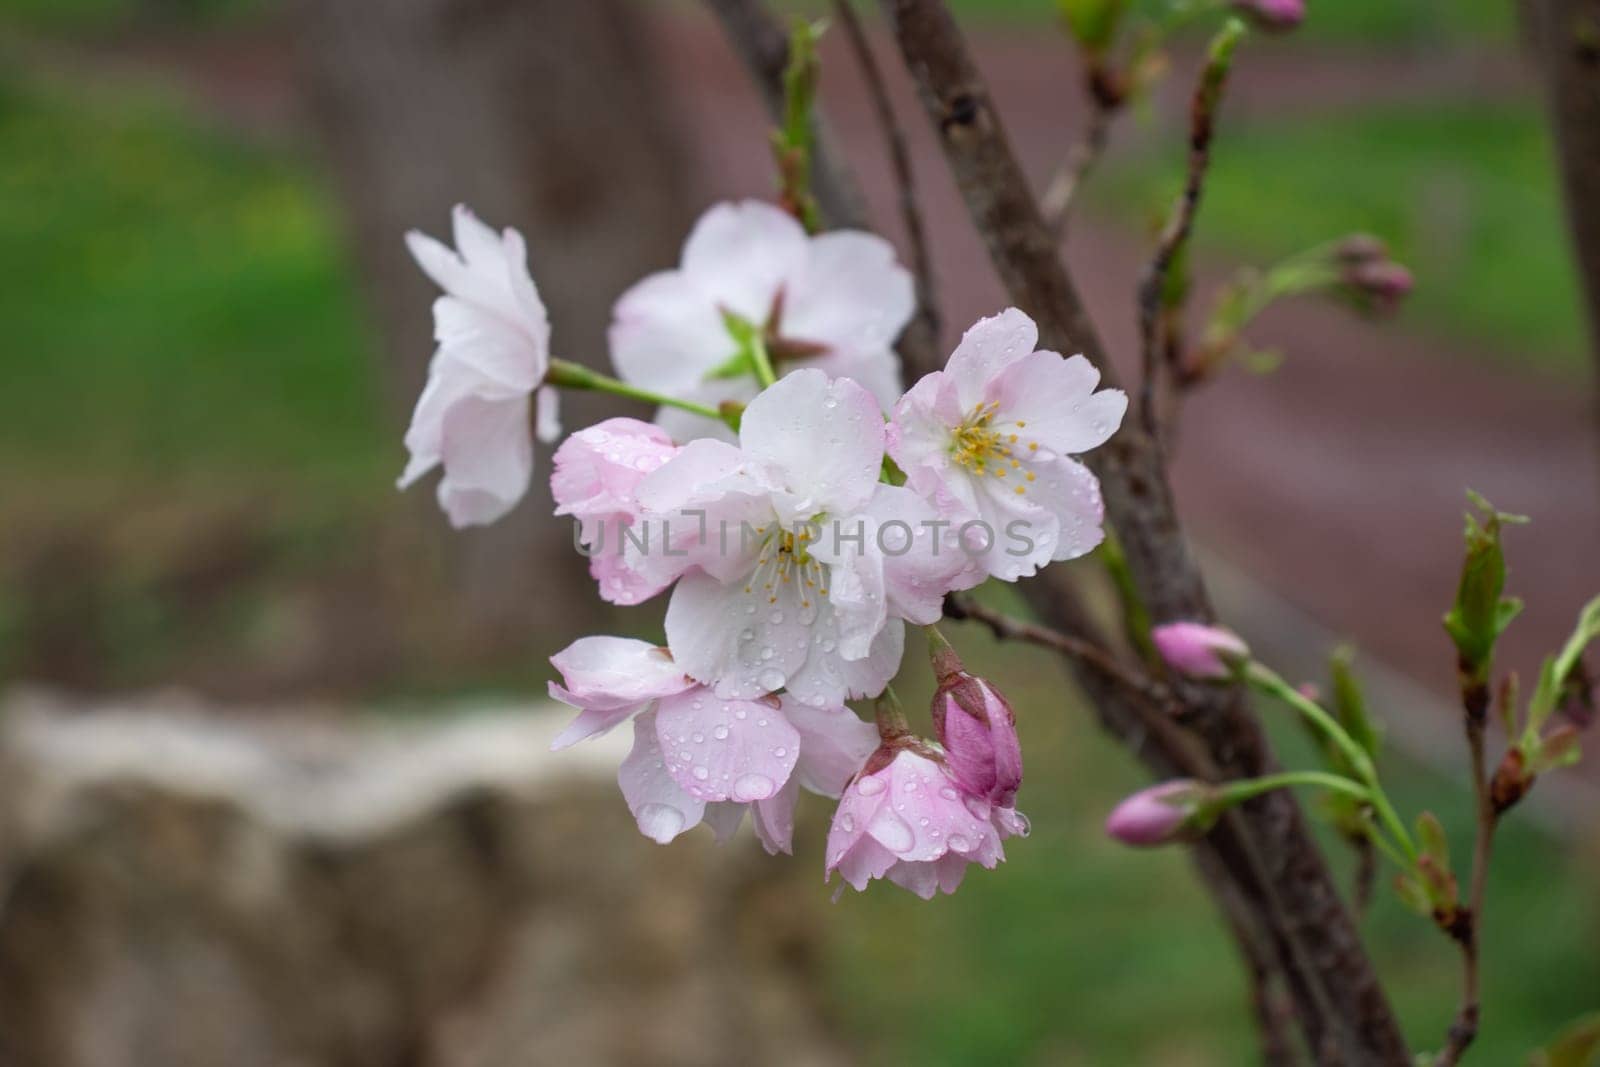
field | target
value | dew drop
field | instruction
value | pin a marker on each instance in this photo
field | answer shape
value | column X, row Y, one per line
column 748, row 787
column 720, row 733
column 869, row 786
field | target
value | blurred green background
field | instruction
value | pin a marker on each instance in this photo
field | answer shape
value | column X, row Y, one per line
column 140, row 241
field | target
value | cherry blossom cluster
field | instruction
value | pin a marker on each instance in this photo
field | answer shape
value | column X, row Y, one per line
column 798, row 511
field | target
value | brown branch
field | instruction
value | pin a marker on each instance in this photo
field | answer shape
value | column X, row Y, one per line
column 763, row 46
column 1095, row 656
column 1466, row 927
column 1153, row 296
column 1566, row 36
column 1264, row 847
column 900, row 159
column 1106, row 97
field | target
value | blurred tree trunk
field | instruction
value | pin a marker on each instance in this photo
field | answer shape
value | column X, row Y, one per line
column 547, row 115
column 1565, row 37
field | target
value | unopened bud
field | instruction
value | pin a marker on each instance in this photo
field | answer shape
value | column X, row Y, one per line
column 1210, row 653
column 1172, row 811
column 1272, row 15
column 978, row 730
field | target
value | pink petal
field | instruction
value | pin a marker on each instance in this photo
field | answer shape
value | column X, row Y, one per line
column 822, row 437
column 661, row 808
column 742, row 253
column 988, row 346
column 726, row 749
column 1054, row 401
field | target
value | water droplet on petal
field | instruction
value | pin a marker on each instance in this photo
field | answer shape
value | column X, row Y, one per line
column 748, row 787
column 869, row 786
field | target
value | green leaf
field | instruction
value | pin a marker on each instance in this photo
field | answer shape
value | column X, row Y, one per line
column 1350, row 704
column 1556, row 669
column 1481, row 612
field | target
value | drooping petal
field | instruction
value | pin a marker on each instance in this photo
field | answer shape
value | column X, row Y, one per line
column 724, row 818
column 613, row 672
column 774, row 819
column 662, row 809
column 487, row 451
column 834, row 744
column 822, row 437
column 726, row 749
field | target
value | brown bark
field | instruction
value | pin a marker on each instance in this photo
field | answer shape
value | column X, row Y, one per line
column 1266, row 849
column 545, row 115
column 1566, row 36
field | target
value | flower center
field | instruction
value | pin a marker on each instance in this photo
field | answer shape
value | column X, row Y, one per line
column 784, row 560
column 982, row 448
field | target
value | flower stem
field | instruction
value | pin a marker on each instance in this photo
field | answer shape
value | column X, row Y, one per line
column 568, row 375
column 1235, row 792
column 1268, row 681
column 761, row 359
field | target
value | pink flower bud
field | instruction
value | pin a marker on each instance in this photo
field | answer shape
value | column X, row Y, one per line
column 1272, row 15
column 978, row 731
column 1382, row 284
column 1200, row 651
column 1164, row 813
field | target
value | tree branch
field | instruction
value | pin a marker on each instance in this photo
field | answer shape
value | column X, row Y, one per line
column 1264, row 846
column 1153, row 287
column 927, row 320
column 1465, row 928
column 1008, row 628
column 1567, row 36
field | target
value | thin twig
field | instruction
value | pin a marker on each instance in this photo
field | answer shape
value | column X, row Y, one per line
column 1153, row 285
column 1365, row 877
column 900, row 159
column 1467, row 928
column 763, row 46
column 1106, row 97
column 1009, row 628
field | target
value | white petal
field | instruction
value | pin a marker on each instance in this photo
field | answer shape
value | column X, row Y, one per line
column 1051, row 401
column 822, row 437
column 987, row 347
column 834, row 744
column 547, row 417
column 487, row 451
column 739, row 643
column 828, row 678
column 741, row 253
column 850, row 294
column 667, row 334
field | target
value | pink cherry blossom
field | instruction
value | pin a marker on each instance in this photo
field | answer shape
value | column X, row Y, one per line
column 905, row 819
column 1199, row 651
column 494, row 350
column 990, row 440
column 596, row 472
column 786, row 582
column 698, row 758
column 835, row 301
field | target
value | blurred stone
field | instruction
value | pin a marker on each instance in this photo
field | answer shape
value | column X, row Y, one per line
column 183, row 891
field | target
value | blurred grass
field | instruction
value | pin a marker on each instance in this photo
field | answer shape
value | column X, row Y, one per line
column 175, row 303
column 1466, row 196
column 1077, row 951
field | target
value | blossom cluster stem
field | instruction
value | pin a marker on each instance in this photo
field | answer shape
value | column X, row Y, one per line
column 1240, row 791
column 1268, row 681
column 564, row 374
